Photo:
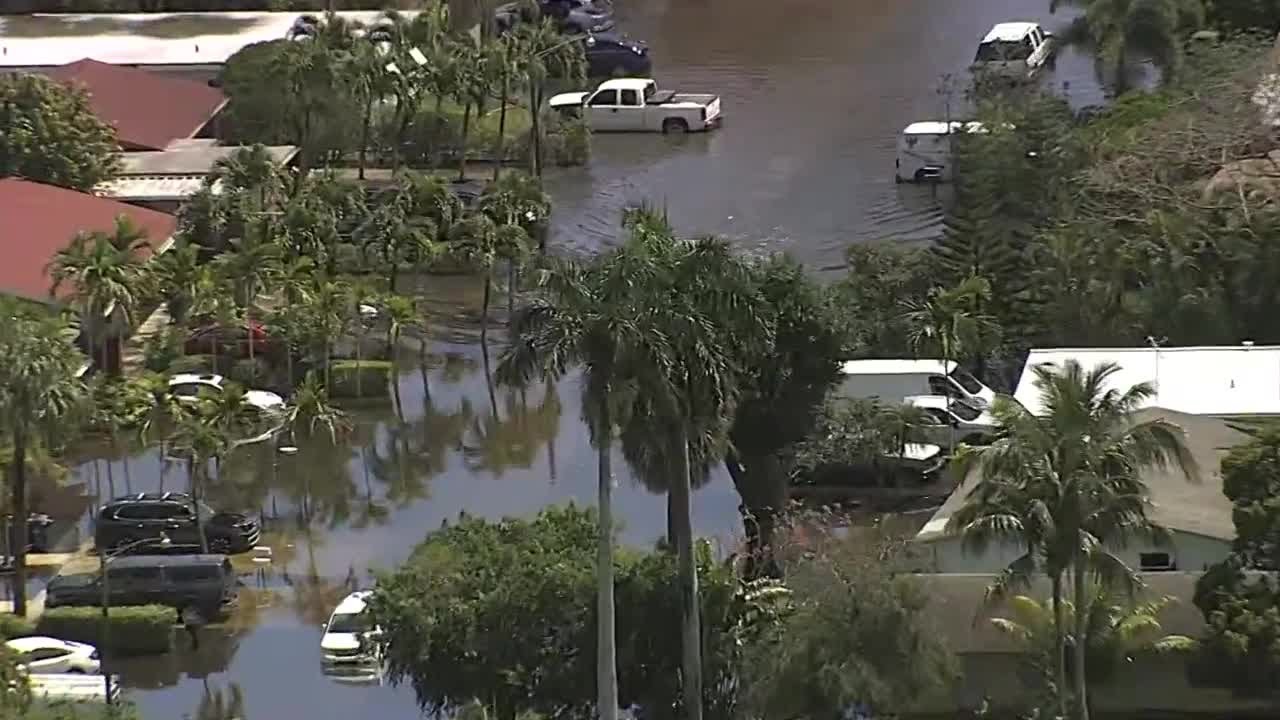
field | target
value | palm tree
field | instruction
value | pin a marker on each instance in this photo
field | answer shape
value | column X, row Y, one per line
column 105, row 272
column 198, row 432
column 251, row 169
column 250, row 266
column 473, row 80
column 1118, row 630
column 517, row 199
column 211, row 300
column 1120, row 29
column 174, row 275
column 39, row 395
column 544, row 52
column 482, row 241
column 1068, row 488
column 594, row 316
column 504, row 58
column 425, row 37
column 312, row 415
column 329, row 315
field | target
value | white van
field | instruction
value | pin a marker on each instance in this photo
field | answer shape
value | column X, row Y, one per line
column 891, row 381
column 350, row 638
column 924, row 150
column 1014, row 50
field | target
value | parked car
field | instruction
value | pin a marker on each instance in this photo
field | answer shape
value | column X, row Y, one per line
column 349, row 636
column 951, row 421
column 891, row 380
column 188, row 387
column 229, row 340
column 610, row 55
column 173, row 515
column 206, row 583
column 572, row 20
column 925, row 150
column 637, row 105
column 1014, row 50
column 41, row 655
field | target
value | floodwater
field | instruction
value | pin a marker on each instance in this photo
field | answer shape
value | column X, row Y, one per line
column 814, row 93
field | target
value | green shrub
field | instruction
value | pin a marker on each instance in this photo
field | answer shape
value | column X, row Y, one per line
column 71, row 710
column 162, row 349
column 137, row 630
column 12, row 626
column 253, row 373
column 372, row 378
column 193, row 364
column 568, row 142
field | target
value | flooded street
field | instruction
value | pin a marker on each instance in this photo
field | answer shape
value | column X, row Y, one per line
column 815, row 93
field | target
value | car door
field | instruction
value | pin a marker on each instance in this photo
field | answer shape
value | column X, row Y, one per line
column 632, row 116
column 179, row 523
column 136, row 585
column 602, row 111
column 134, row 522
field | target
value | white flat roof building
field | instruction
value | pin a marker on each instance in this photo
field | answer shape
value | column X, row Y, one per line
column 1226, row 381
column 165, row 40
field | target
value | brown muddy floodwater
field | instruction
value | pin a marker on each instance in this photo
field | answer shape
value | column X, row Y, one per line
column 815, row 92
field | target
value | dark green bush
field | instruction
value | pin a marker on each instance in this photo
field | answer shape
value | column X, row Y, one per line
column 137, row 630
column 193, row 364
column 12, row 626
column 567, row 143
column 374, row 378
column 162, row 349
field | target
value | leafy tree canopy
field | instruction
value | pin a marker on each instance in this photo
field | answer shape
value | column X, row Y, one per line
column 51, row 135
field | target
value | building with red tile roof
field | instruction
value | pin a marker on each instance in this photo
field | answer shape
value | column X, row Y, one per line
column 38, row 220
column 148, row 110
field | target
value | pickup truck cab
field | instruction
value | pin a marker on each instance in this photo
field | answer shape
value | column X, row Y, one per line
column 1014, row 50
column 637, row 105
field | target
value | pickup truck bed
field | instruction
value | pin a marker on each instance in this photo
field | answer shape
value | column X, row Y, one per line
column 662, row 97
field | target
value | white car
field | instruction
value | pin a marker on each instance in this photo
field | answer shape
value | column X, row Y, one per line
column 349, row 635
column 187, row 387
column 1014, row 50
column 637, row 105
column 51, row 655
column 950, row 421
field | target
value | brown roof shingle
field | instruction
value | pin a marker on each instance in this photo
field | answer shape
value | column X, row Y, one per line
column 148, row 110
column 39, row 220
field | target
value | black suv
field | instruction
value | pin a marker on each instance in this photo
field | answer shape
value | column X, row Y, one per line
column 149, row 515
column 207, row 583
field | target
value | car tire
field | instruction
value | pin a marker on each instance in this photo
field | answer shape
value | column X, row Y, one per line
column 674, row 125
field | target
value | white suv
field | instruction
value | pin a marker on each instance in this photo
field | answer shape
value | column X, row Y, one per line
column 349, row 636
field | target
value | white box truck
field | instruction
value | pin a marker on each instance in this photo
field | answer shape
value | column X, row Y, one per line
column 892, row 380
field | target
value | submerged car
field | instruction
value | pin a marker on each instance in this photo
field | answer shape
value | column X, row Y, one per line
column 188, row 387
column 350, row 638
column 637, row 105
column 40, row 654
column 1014, row 50
column 610, row 55
column 573, row 20
column 153, row 516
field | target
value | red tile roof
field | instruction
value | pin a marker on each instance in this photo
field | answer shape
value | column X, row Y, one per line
column 39, row 220
column 148, row 110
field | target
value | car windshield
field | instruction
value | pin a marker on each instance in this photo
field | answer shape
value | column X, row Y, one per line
column 74, row 580
column 350, row 623
column 964, row 412
column 997, row 50
column 967, row 381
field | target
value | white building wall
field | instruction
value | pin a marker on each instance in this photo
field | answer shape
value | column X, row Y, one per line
column 1189, row 552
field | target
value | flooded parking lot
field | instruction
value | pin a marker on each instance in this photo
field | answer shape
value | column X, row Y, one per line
column 815, row 93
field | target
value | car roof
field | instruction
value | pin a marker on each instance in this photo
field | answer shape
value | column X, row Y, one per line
column 149, row 560
column 940, row 127
column 626, row 84
column 1009, row 31
column 354, row 603
column 24, row 644
column 895, row 367
column 152, row 497
column 201, row 378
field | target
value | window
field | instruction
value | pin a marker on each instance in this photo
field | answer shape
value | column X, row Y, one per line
column 966, row 381
column 193, row 573
column 187, row 390
column 605, row 97
column 350, row 623
column 1156, row 561
column 46, row 654
column 939, row 385
column 998, row 50
column 939, row 416
column 964, row 412
column 132, row 512
column 631, row 98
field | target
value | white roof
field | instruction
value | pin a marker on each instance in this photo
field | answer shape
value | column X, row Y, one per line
column 1229, row 381
column 894, row 367
column 153, row 187
column 196, row 379
column 626, row 84
column 25, row 644
column 939, row 127
column 1009, row 31
column 206, row 38
column 354, row 603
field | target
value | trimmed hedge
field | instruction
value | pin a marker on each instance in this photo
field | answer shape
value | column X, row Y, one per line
column 12, row 626
column 374, row 375
column 135, row 630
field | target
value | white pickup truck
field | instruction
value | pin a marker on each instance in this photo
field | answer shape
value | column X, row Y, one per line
column 637, row 105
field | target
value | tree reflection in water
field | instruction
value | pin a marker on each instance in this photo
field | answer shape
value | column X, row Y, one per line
column 495, row 444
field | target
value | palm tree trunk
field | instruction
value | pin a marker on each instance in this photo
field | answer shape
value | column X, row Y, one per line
column 19, row 537
column 502, row 124
column 511, row 290
column 606, row 648
column 359, row 361
column 364, row 133
column 398, row 142
column 437, row 142
column 194, row 470
column 1059, row 645
column 466, row 130
column 1081, row 639
column 687, row 572
column 535, row 128
column 484, row 306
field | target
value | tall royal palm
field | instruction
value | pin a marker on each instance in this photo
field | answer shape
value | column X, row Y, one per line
column 39, row 392
column 250, row 266
column 1068, row 487
column 104, row 271
column 594, row 316
column 703, row 304
column 541, row 53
